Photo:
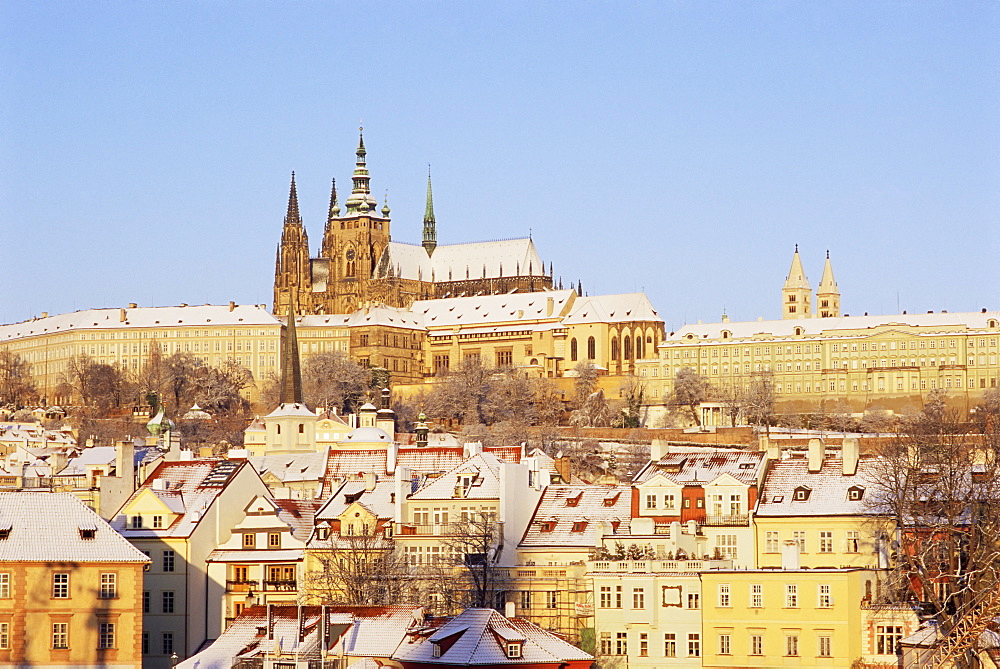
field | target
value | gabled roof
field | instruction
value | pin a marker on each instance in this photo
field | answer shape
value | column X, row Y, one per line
column 299, row 515
column 95, row 455
column 458, row 262
column 379, row 500
column 572, row 516
column 46, row 527
column 291, row 467
column 702, row 467
column 828, row 489
column 483, row 310
column 622, row 308
column 485, row 471
column 480, row 637
column 392, row 317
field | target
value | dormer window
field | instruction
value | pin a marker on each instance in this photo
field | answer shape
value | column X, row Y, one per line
column 574, row 501
column 548, row 526
column 88, row 532
column 4, row 533
column 801, row 494
column 611, row 500
column 136, row 522
column 855, row 493
column 580, row 526
column 435, row 650
column 513, row 649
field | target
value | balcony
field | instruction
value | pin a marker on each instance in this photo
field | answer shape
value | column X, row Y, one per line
column 731, row 520
column 435, row 530
column 655, row 566
column 280, row 586
column 240, row 586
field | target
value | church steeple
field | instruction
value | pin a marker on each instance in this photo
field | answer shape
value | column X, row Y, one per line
column 361, row 200
column 292, row 271
column 430, row 225
column 796, row 293
column 334, row 205
column 291, row 372
column 827, row 294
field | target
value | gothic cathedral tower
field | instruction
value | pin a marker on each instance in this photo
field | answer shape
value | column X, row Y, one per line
column 828, row 295
column 796, row 293
column 292, row 266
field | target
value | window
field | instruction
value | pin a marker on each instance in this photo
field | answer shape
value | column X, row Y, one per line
column 772, row 542
column 694, row 645
column 670, row 645
column 791, row 596
column 643, row 645
column 168, row 562
column 4, row 585
column 800, row 539
column 168, row 643
column 605, row 596
column 825, row 542
column 60, row 586
column 145, row 601
column 621, row 643
column 791, row 644
column 756, row 644
column 605, row 643
column 668, row 502
column 572, row 350
column 274, row 540
column 853, row 538
column 145, row 643
column 693, row 602
column 724, row 594
column 249, row 540
column 109, row 586
column 551, row 599
column 136, row 522
column 825, row 600
column 618, row 596
column 726, row 545
column 106, row 635
column 157, row 522
column 514, row 649
column 650, row 501
column 505, row 358
column 60, row 635
column 824, row 646
column 725, row 644
column 4, row 635
column 638, row 598
column 756, row 595
column 525, row 597
column 887, row 638
column 591, row 348
column 167, row 601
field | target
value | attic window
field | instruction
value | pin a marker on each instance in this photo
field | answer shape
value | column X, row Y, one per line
column 435, row 650
column 88, row 533
column 513, row 649
column 574, row 501
column 802, row 494
column 611, row 500
column 778, row 499
column 855, row 493
column 548, row 526
column 5, row 532
column 746, row 465
column 580, row 526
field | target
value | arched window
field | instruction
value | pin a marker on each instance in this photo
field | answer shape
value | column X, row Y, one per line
column 638, row 347
column 591, row 349
column 614, row 348
column 302, row 428
column 628, row 348
column 279, row 428
column 572, row 349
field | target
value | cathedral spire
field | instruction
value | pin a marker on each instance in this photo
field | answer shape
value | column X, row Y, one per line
column 334, row 205
column 796, row 293
column 430, row 225
column 827, row 294
column 292, row 217
column 291, row 373
column 361, row 200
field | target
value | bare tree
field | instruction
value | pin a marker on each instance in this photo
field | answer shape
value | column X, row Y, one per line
column 690, row 390
column 585, row 383
column 359, row 569
column 633, row 392
column 594, row 412
column 334, row 381
column 733, row 398
column 759, row 405
column 474, row 547
column 17, row 387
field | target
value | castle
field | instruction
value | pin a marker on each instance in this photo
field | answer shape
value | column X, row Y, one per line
column 360, row 265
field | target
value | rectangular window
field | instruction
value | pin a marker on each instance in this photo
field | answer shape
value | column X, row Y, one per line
column 800, row 539
column 106, row 636
column 145, row 601
column 756, row 595
column 724, row 594
column 168, row 561
column 525, row 599
column 605, row 643
column 791, row 644
column 4, row 585
column 772, row 542
column 693, row 602
column 167, row 601
column 60, row 635
column 756, row 644
column 551, row 599
column 157, row 522
column 791, row 596
column 109, row 586
column 4, row 635
column 618, row 596
column 650, row 501
column 825, row 600
column 605, row 597
column 638, row 598
column 824, row 646
column 725, row 644
column 60, row 586
column 249, row 540
column 168, row 643
column 274, row 540
column 887, row 638
column 725, row 544
column 669, row 645
column 825, row 542
column 694, row 645
column 668, row 502
column 643, row 645
column 853, row 538
column 621, row 643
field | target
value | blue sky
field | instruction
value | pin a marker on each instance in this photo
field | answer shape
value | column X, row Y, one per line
column 681, row 148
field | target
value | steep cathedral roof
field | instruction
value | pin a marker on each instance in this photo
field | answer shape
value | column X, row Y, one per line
column 458, row 262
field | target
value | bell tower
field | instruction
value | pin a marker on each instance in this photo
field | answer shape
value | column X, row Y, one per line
column 827, row 294
column 292, row 268
column 796, row 293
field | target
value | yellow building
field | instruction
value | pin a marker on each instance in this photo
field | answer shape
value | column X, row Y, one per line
column 784, row 617
column 70, row 586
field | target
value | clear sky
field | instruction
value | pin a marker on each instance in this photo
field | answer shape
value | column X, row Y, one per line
column 681, row 148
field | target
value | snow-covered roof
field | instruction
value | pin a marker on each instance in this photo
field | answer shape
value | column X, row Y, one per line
column 484, row 469
column 622, row 308
column 386, row 316
column 947, row 322
column 368, row 435
column 479, row 636
column 95, row 455
column 482, row 310
column 824, row 493
column 298, row 514
column 291, row 467
column 211, row 315
column 52, row 527
column 458, row 262
column 578, row 515
column 379, row 500
column 704, row 466
column 291, row 410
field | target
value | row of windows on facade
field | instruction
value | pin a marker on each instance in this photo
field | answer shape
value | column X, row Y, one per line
column 717, row 503
column 397, row 341
column 887, row 639
column 613, row 597
column 107, row 637
column 798, row 349
column 108, row 588
column 825, row 544
column 879, row 384
column 618, row 644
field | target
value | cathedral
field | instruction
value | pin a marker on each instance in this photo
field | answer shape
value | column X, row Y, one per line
column 359, row 265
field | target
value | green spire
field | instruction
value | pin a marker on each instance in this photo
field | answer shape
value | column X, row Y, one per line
column 430, row 225
column 361, row 200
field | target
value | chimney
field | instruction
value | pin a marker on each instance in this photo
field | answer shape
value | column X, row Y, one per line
column 550, row 304
column 232, row 305
column 772, row 449
column 132, row 305
column 790, row 555
column 564, row 467
column 370, row 480
column 816, row 452
column 45, row 314
column 509, row 610
column 657, row 449
column 851, row 453
column 391, row 456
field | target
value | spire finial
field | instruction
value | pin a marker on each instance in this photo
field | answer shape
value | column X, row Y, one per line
column 334, row 205
column 292, row 216
column 361, row 200
column 828, row 254
column 385, row 207
column 796, row 248
column 430, row 223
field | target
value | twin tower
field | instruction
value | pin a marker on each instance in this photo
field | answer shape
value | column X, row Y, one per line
column 797, row 293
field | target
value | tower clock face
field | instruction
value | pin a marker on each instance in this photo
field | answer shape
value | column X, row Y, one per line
column 350, row 254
